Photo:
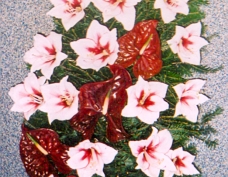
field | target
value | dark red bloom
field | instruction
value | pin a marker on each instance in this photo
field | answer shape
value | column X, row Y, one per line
column 35, row 161
column 106, row 98
column 141, row 47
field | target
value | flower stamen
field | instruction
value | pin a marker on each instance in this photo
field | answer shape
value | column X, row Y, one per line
column 36, row 99
column 67, row 99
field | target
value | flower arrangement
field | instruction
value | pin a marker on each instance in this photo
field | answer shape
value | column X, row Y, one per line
column 111, row 90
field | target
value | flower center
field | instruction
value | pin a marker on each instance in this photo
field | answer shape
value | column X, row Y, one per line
column 36, row 98
column 185, row 42
column 73, row 8
column 67, row 98
column 116, row 2
column 144, row 99
column 173, row 3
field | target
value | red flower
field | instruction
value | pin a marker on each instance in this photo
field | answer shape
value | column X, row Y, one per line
column 42, row 153
column 106, row 98
column 141, row 47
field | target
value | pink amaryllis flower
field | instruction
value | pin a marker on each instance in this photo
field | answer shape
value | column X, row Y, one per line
column 189, row 98
column 46, row 53
column 145, row 100
column 69, row 11
column 150, row 153
column 169, row 8
column 99, row 48
column 61, row 100
column 183, row 163
column 89, row 158
column 27, row 97
column 187, row 43
column 122, row 10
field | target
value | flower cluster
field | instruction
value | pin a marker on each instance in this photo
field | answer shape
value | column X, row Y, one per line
column 131, row 91
column 154, row 154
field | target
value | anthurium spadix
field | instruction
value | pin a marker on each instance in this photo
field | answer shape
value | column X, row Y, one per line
column 145, row 100
column 42, row 154
column 46, row 53
column 187, row 43
column 151, row 153
column 61, row 100
column 188, row 98
column 89, row 158
column 27, row 97
column 183, row 162
column 169, row 8
column 98, row 49
column 122, row 10
column 69, row 11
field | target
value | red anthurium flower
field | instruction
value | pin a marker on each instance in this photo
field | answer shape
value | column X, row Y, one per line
column 37, row 147
column 106, row 98
column 141, row 47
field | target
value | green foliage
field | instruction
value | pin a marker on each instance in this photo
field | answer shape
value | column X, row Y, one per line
column 172, row 73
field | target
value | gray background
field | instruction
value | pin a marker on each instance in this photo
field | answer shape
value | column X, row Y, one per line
column 21, row 20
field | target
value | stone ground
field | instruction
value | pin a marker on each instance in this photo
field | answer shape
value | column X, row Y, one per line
column 21, row 20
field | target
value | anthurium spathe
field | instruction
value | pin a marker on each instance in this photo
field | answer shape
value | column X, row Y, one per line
column 46, row 53
column 42, row 153
column 98, row 49
column 183, row 162
column 27, row 97
column 89, row 158
column 145, row 100
column 141, row 48
column 188, row 98
column 150, row 153
column 122, row 10
column 103, row 99
column 187, row 43
column 69, row 11
column 169, row 8
column 61, row 100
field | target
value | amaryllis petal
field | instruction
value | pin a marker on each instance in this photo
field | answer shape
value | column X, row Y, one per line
column 82, row 46
column 103, row 98
column 140, row 47
column 194, row 29
column 165, row 141
column 109, row 154
column 77, row 159
column 126, row 17
column 35, row 161
column 190, row 112
column 168, row 15
column 72, row 20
